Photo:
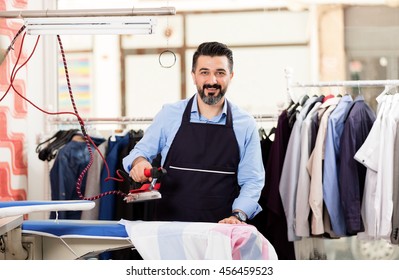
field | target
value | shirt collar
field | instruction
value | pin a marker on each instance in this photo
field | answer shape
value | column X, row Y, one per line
column 359, row 98
column 330, row 101
column 194, row 108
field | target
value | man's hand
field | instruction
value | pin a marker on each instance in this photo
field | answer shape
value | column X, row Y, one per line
column 137, row 171
column 231, row 220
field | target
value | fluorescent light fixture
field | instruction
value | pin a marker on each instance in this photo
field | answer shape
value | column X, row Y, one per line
column 90, row 25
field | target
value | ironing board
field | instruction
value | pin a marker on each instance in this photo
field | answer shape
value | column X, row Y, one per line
column 57, row 239
column 85, row 239
column 76, row 239
column 22, row 207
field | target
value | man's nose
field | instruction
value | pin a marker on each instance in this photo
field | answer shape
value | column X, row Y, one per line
column 212, row 79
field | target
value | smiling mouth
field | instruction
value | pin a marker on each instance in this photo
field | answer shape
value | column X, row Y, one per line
column 211, row 89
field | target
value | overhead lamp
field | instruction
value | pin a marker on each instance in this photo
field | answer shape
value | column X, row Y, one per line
column 90, row 25
column 90, row 21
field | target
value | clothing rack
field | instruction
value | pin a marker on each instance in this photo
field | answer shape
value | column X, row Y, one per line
column 354, row 84
column 137, row 120
column 120, row 120
column 265, row 117
column 57, row 123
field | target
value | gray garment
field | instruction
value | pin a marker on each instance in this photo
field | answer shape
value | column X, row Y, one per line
column 302, row 211
column 93, row 182
column 290, row 171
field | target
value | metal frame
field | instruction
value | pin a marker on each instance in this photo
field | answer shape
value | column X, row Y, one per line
column 162, row 11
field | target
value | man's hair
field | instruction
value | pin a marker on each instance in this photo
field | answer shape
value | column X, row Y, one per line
column 213, row 49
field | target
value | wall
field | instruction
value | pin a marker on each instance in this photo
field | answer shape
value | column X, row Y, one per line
column 331, row 42
column 22, row 175
column 263, row 45
column 13, row 112
column 41, row 85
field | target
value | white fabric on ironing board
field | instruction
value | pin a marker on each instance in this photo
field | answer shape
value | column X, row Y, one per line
column 198, row 241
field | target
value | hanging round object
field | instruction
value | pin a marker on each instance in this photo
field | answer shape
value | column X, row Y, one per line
column 167, row 59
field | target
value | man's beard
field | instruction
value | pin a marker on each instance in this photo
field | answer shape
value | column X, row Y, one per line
column 211, row 99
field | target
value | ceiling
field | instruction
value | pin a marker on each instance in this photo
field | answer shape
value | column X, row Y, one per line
column 213, row 5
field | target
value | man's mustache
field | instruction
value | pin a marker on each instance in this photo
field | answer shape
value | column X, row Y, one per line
column 215, row 86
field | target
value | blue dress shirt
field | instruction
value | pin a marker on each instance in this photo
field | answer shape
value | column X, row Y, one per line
column 251, row 174
column 331, row 191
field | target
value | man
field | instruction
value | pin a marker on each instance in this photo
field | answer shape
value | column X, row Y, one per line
column 209, row 147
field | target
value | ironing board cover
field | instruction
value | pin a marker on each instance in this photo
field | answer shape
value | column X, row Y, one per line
column 76, row 229
column 15, row 208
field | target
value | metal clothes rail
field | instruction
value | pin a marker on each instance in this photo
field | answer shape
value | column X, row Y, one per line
column 137, row 120
column 120, row 120
column 388, row 84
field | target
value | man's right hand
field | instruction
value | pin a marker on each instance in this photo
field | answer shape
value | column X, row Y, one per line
column 137, row 171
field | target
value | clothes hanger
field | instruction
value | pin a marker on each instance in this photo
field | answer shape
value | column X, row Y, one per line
column 386, row 90
column 271, row 132
column 118, row 132
column 262, row 133
column 303, row 99
column 57, row 134
column 61, row 138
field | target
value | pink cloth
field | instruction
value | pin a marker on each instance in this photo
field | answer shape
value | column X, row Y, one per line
column 198, row 241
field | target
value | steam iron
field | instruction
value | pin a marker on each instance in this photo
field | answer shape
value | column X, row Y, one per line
column 144, row 191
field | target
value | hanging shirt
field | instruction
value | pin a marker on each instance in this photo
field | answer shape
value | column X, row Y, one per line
column 386, row 169
column 315, row 169
column 70, row 162
column 93, row 182
column 332, row 162
column 159, row 137
column 395, row 191
column 377, row 154
column 275, row 222
column 290, row 171
column 368, row 155
column 302, row 208
column 352, row 174
column 108, row 202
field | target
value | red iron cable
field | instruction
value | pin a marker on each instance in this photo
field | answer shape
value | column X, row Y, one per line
column 76, row 114
column 87, row 138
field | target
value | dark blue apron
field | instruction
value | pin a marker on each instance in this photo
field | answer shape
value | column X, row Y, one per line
column 201, row 180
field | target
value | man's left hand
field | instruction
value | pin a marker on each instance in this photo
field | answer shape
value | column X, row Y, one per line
column 231, row 220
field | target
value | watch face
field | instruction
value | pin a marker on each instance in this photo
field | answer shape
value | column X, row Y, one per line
column 240, row 216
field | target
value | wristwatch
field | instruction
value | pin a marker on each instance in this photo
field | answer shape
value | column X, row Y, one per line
column 239, row 215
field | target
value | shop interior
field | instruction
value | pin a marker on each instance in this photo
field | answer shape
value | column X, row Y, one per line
column 283, row 51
